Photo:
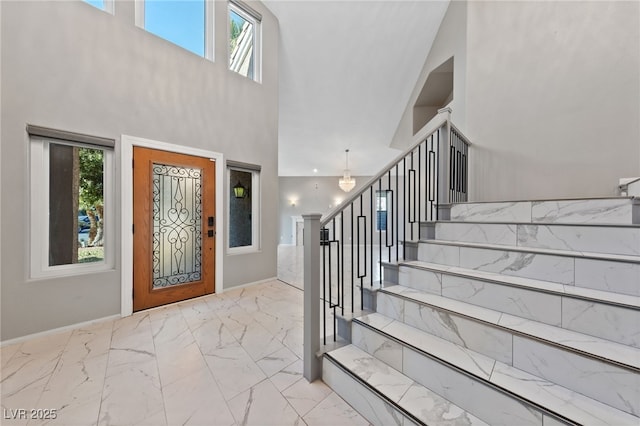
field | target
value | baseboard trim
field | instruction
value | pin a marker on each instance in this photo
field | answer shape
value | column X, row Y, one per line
column 224, row 290
column 53, row 331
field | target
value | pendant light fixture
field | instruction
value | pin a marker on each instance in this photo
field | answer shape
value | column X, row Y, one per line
column 239, row 191
column 347, row 183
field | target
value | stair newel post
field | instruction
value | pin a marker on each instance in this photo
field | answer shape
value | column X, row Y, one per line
column 312, row 365
column 444, row 173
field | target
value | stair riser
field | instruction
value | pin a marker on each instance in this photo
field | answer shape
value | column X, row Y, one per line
column 610, row 240
column 614, row 276
column 367, row 403
column 597, row 211
column 476, row 397
column 470, row 334
column 481, row 400
column 588, row 376
column 611, row 322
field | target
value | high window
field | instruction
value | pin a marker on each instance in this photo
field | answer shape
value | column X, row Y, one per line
column 244, row 40
column 244, row 207
column 71, row 219
column 185, row 23
column 106, row 5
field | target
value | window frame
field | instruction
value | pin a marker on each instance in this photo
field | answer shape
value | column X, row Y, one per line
column 256, row 210
column 248, row 14
column 39, row 202
column 209, row 26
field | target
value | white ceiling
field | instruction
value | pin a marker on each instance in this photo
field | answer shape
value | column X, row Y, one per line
column 347, row 69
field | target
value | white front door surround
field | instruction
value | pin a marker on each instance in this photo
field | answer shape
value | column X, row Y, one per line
column 126, row 214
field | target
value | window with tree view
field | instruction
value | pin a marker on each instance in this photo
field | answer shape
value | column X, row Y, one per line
column 70, row 208
column 76, row 204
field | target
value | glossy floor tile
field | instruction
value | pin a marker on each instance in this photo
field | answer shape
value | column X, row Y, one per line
column 227, row 359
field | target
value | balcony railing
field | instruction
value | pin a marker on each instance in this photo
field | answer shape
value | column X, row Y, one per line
column 345, row 250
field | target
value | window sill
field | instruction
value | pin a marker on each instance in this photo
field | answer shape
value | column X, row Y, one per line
column 243, row 250
column 70, row 272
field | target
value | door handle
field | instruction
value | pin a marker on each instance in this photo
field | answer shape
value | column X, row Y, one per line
column 211, row 221
column 210, row 233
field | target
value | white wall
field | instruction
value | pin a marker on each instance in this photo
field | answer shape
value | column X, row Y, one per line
column 547, row 92
column 70, row 66
column 450, row 41
column 553, row 97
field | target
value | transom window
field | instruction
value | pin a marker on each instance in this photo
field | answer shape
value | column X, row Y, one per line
column 106, row 5
column 185, row 23
column 244, row 40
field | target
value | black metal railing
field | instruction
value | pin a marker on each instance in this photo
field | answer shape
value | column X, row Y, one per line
column 375, row 224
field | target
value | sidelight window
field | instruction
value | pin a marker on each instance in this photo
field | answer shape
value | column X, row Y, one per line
column 244, row 209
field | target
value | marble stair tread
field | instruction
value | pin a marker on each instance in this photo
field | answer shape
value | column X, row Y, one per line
column 604, row 210
column 553, row 224
column 589, row 345
column 348, row 316
column 572, row 405
column 586, row 238
column 627, row 198
column 536, row 250
column 555, row 398
column 475, row 363
column 530, row 283
column 420, row 402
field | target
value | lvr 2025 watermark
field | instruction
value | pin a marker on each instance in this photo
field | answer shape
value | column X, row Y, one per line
column 29, row 414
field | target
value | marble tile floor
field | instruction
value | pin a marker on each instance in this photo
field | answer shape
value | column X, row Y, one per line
column 233, row 358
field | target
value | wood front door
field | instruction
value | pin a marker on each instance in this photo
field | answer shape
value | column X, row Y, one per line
column 174, row 227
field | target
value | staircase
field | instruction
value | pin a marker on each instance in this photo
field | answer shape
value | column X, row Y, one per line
column 512, row 313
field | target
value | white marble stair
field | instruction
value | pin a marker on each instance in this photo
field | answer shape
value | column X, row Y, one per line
column 582, row 363
column 607, row 315
column 600, row 271
column 618, row 210
column 385, row 396
column 585, row 238
column 490, row 389
column 516, row 313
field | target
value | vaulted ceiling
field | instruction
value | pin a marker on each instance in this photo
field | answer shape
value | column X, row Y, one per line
column 347, row 70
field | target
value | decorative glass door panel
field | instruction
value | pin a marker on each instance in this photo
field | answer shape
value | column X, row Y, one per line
column 177, row 224
column 174, row 227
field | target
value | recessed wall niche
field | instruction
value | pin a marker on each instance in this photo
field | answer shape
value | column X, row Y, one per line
column 436, row 93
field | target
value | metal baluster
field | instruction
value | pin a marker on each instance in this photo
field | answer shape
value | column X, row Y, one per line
column 379, row 228
column 397, row 217
column 352, row 264
column 341, row 248
column 419, row 200
column 324, row 290
column 371, row 231
column 406, row 207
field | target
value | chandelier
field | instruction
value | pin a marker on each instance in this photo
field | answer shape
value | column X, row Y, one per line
column 346, row 182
